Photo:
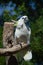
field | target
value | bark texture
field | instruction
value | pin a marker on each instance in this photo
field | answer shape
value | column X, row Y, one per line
column 8, row 37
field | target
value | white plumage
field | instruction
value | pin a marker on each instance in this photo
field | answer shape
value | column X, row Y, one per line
column 28, row 56
column 21, row 30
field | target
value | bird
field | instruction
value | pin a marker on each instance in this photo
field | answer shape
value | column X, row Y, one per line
column 22, row 30
column 22, row 34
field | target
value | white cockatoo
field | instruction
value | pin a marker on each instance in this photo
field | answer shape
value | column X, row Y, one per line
column 20, row 33
column 21, row 28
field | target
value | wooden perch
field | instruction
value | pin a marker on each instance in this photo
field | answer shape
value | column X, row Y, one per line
column 14, row 49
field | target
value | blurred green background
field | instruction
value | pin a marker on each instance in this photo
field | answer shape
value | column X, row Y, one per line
column 14, row 9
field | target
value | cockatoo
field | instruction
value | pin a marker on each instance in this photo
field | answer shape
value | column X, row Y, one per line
column 22, row 34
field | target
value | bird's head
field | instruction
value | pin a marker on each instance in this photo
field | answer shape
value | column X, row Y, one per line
column 24, row 19
column 21, row 21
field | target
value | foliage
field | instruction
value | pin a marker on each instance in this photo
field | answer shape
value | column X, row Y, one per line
column 37, row 34
column 27, row 63
column 6, row 16
column 37, row 38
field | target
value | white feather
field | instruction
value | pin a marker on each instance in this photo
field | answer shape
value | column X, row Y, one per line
column 28, row 56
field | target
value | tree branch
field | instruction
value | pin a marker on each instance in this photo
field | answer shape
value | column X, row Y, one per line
column 12, row 50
